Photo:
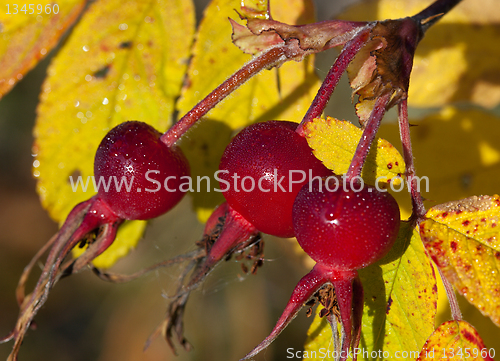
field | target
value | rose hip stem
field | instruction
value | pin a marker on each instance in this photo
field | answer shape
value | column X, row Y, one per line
column 324, row 94
column 434, row 12
column 404, row 129
column 367, row 137
column 254, row 66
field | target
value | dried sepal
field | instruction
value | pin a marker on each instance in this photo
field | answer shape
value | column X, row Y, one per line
column 384, row 65
column 262, row 34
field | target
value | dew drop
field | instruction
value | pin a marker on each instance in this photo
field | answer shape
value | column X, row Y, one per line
column 123, row 26
column 105, row 101
column 117, row 108
column 88, row 77
column 36, row 174
column 125, row 76
column 77, row 103
column 121, row 86
column 36, row 163
column 79, row 115
column 85, row 48
column 43, row 51
column 88, row 114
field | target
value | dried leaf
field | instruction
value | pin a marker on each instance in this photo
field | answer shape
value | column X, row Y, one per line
column 400, row 303
column 123, row 61
column 283, row 93
column 29, row 32
column 463, row 239
column 455, row 340
column 262, row 34
column 462, row 40
column 334, row 142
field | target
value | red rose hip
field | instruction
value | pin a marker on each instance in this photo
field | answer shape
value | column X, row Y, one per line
column 346, row 229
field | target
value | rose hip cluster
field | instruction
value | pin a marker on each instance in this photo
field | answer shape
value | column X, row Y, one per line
column 342, row 230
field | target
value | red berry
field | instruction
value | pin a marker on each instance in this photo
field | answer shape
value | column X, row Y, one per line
column 344, row 228
column 132, row 155
column 267, row 153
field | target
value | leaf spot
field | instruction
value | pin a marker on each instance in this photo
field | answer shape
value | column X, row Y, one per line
column 453, row 246
column 77, row 173
column 389, row 303
column 101, row 73
column 125, row 45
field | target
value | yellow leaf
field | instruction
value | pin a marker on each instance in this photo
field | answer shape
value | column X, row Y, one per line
column 456, row 60
column 123, row 61
column 400, row 303
column 334, row 142
column 29, row 32
column 457, row 155
column 255, row 9
column 279, row 94
column 455, row 340
column 463, row 239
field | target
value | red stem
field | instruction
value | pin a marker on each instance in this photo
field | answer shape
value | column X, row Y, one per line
column 236, row 232
column 324, row 94
column 404, row 129
column 266, row 60
column 452, row 298
column 367, row 137
column 304, row 290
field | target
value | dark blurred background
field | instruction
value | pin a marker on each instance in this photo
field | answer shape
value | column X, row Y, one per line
column 88, row 319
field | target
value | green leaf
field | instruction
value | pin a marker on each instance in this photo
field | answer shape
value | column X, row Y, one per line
column 27, row 38
column 124, row 61
column 400, row 301
column 279, row 94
